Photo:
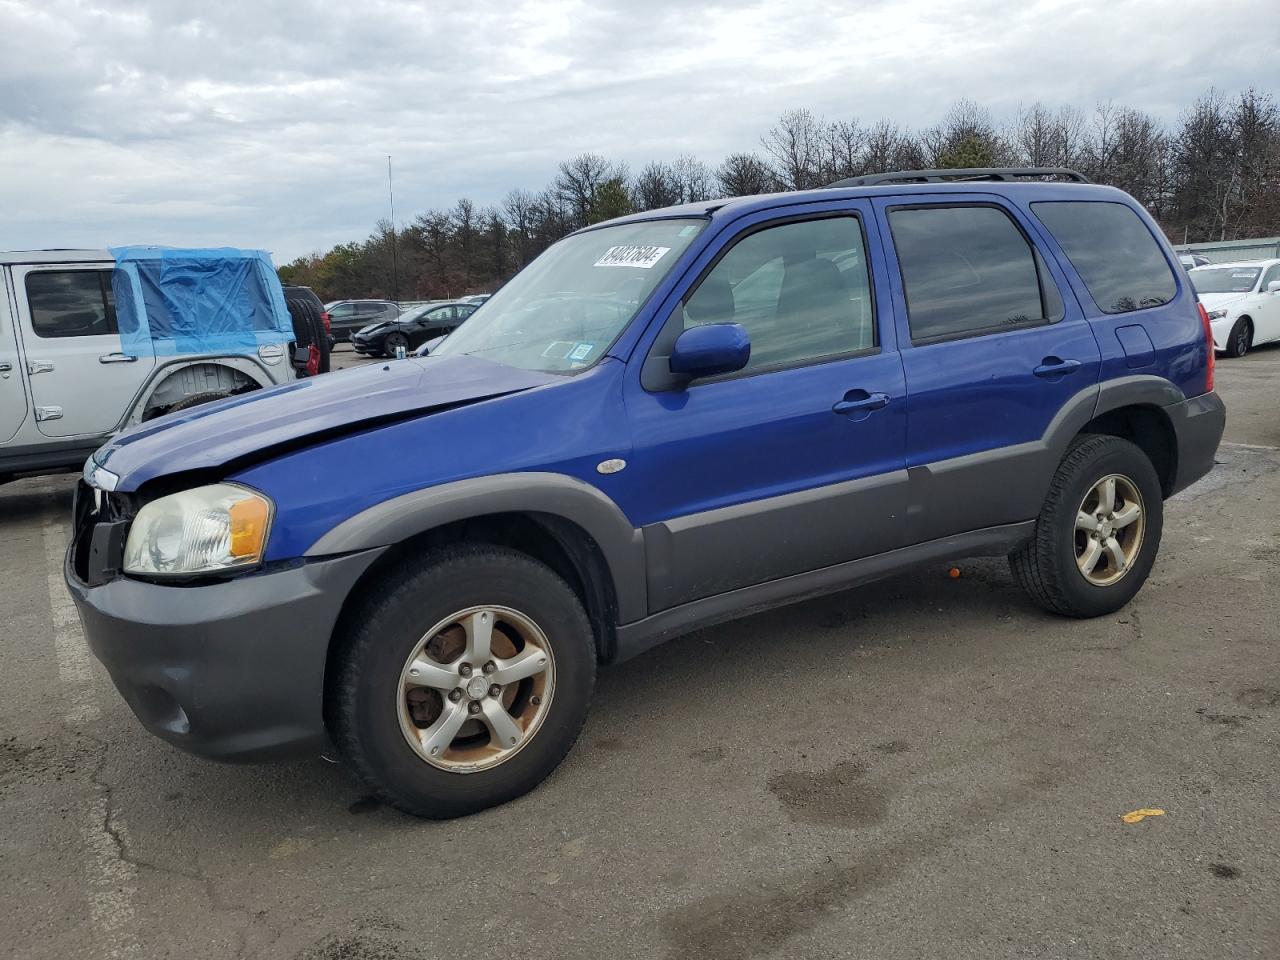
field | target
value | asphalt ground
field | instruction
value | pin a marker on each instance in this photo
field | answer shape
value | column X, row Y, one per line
column 925, row 767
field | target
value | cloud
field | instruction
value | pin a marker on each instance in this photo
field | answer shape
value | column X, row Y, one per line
column 269, row 124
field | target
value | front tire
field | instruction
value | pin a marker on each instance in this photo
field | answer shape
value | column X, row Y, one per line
column 434, row 734
column 1241, row 339
column 392, row 341
column 1098, row 532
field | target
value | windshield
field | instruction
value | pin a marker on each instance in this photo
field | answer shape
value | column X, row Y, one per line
column 1224, row 279
column 563, row 311
column 413, row 313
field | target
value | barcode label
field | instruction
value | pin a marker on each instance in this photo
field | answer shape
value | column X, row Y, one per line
column 631, row 256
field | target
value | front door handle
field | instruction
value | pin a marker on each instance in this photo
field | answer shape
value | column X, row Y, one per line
column 5, row 367
column 859, row 402
column 117, row 358
column 1051, row 367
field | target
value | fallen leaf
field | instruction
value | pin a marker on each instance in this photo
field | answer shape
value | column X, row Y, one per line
column 1136, row 815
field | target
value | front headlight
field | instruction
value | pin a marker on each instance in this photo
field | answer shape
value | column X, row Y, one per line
column 1217, row 314
column 210, row 529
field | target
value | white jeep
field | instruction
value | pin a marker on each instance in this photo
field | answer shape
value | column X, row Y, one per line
column 79, row 362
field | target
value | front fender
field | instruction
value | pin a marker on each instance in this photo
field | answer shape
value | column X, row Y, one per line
column 572, row 500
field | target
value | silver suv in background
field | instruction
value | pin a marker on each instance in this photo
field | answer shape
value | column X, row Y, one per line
column 69, row 380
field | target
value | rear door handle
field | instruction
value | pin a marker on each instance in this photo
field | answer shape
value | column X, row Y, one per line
column 1053, row 367
column 860, row 402
column 117, row 358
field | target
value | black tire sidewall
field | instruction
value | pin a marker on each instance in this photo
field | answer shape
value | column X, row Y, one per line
column 1238, row 331
column 370, row 729
column 391, row 339
column 1116, row 456
column 196, row 400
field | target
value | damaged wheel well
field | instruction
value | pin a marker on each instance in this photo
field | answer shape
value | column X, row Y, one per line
column 193, row 379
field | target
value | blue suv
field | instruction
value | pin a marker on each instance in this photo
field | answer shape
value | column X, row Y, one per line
column 665, row 421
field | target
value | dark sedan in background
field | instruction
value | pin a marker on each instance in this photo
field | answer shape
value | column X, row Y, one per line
column 411, row 329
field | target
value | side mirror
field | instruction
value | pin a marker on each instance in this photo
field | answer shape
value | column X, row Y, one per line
column 710, row 350
column 1273, row 286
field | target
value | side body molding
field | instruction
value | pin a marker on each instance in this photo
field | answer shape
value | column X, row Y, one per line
column 555, row 494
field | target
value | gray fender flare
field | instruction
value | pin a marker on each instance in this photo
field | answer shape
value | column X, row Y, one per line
column 1141, row 390
column 555, row 494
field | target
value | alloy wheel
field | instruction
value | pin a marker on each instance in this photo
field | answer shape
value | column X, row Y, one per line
column 476, row 688
column 1110, row 524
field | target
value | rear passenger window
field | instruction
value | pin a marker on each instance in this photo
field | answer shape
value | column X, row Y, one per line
column 968, row 270
column 71, row 303
column 801, row 289
column 1113, row 251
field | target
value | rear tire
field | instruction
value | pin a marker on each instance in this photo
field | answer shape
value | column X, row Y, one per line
column 1241, row 339
column 385, row 733
column 1064, row 567
column 195, row 400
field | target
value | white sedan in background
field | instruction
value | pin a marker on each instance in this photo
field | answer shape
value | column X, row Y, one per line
column 1243, row 303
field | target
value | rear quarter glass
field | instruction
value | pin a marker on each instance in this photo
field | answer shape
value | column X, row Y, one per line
column 1116, row 257
column 1123, row 277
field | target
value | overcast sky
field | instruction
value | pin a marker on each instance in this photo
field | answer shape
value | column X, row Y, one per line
column 268, row 123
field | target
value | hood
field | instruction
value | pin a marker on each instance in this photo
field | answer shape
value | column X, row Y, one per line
column 251, row 426
column 1216, row 301
column 373, row 327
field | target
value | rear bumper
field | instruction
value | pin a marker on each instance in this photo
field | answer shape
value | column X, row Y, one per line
column 232, row 670
column 1198, row 424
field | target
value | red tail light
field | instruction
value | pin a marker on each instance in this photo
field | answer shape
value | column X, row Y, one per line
column 1208, row 343
column 327, row 329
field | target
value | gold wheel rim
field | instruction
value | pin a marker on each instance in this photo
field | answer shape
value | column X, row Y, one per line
column 1111, row 522
column 475, row 689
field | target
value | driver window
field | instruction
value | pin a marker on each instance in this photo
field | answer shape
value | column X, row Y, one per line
column 801, row 290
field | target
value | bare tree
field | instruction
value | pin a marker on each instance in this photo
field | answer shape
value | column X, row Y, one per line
column 843, row 150
column 656, row 186
column 744, row 174
column 1213, row 175
column 888, row 147
column 581, row 178
column 794, row 144
column 693, row 177
column 966, row 137
column 520, row 210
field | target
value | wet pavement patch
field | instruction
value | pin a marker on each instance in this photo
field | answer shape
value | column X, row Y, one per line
column 892, row 746
column 1257, row 698
column 1223, row 871
column 1226, row 719
column 368, row 939
column 837, row 797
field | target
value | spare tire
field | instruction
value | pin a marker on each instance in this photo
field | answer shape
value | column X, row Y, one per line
column 311, row 350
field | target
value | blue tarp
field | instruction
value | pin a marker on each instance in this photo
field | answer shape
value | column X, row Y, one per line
column 177, row 301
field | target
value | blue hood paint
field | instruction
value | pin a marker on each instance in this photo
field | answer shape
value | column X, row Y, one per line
column 210, row 436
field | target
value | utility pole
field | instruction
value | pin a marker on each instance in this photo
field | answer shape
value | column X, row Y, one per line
column 395, row 261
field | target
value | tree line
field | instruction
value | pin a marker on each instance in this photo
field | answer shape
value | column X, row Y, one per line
column 1214, row 175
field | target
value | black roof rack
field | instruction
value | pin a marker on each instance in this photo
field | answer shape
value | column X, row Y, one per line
column 1006, row 174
